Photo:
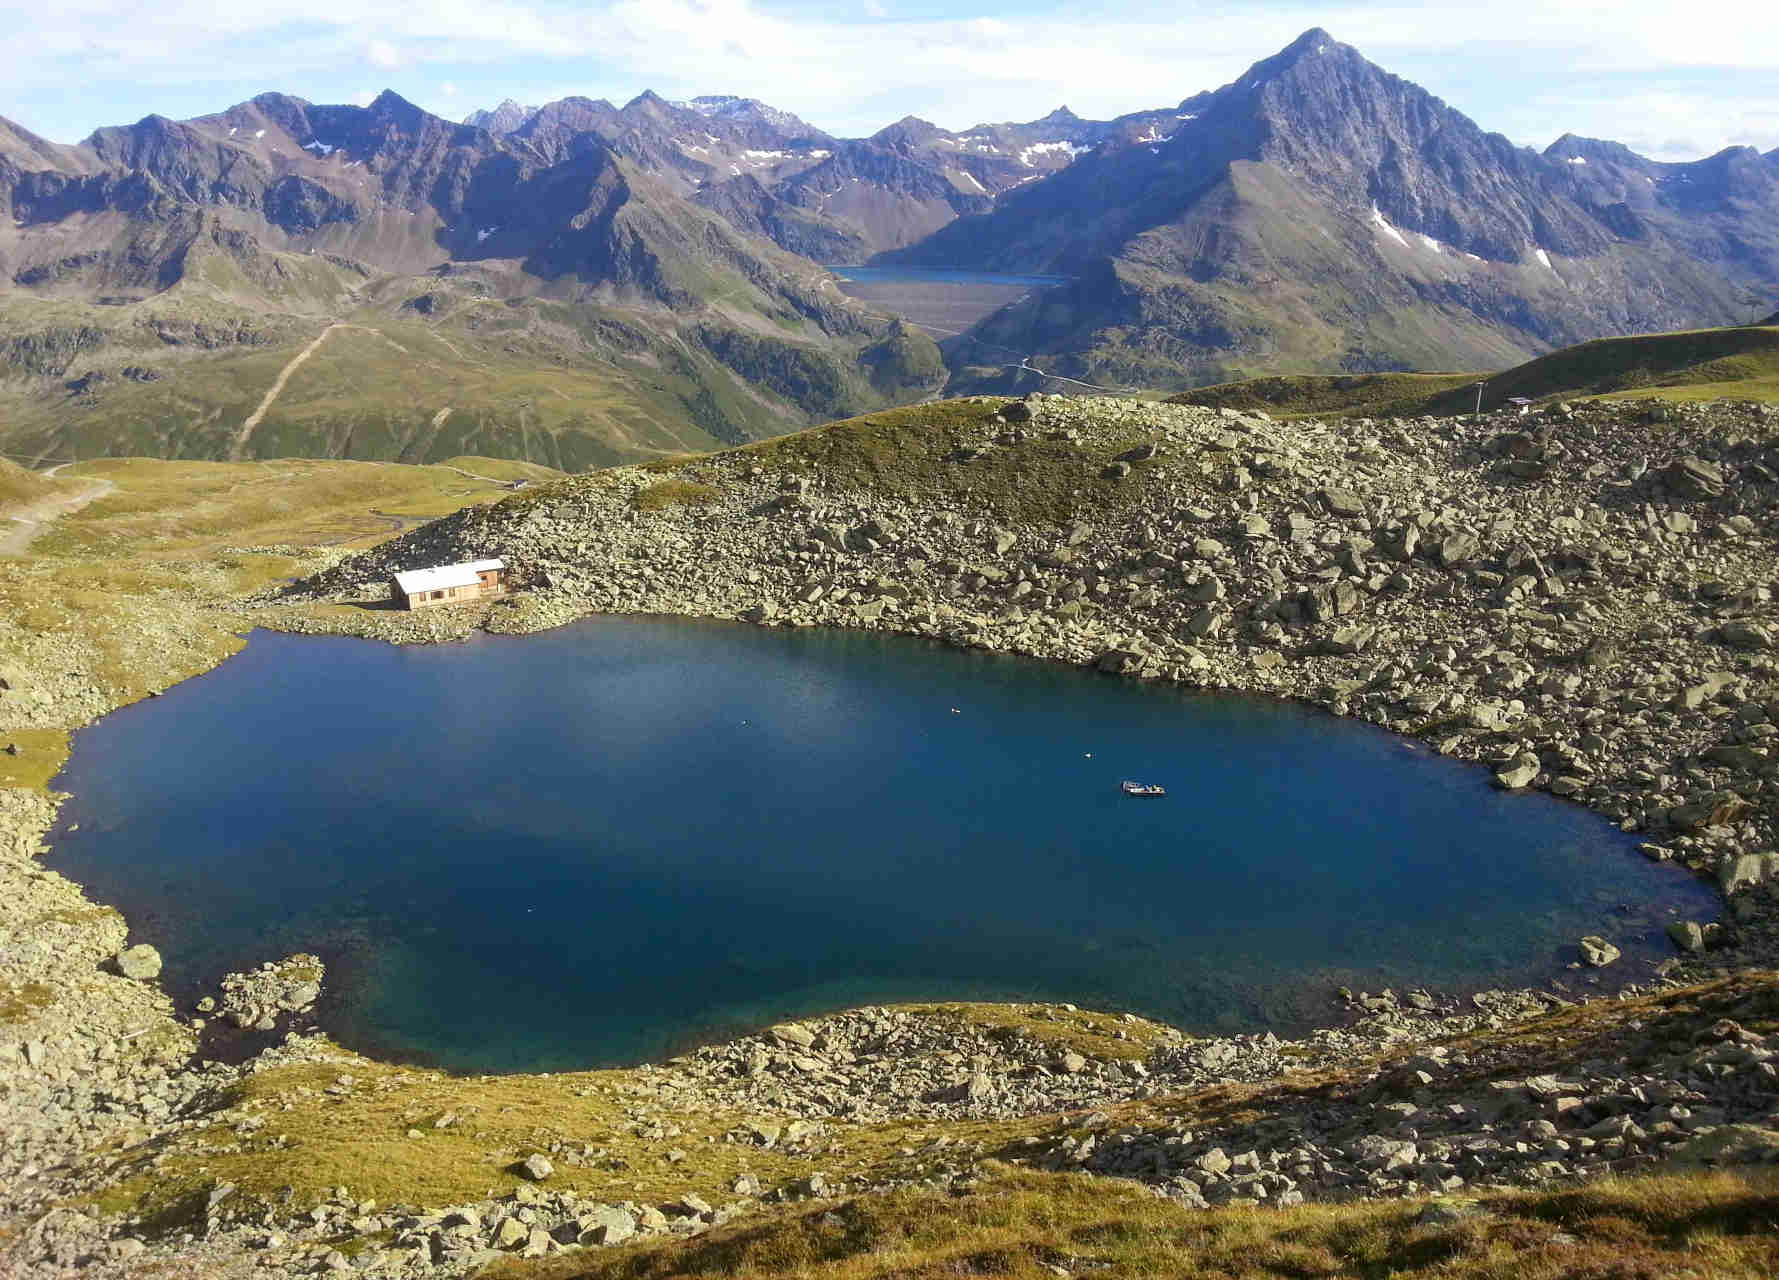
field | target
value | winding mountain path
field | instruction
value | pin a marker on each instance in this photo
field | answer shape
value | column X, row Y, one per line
column 239, row 446
column 34, row 517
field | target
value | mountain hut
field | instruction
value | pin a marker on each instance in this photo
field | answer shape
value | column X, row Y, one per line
column 447, row 583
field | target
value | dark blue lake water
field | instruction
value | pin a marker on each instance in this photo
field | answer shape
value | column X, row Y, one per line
column 942, row 275
column 603, row 843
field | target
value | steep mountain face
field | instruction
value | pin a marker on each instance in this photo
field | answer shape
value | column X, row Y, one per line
column 249, row 221
column 727, row 107
column 1319, row 211
column 840, row 201
column 505, row 118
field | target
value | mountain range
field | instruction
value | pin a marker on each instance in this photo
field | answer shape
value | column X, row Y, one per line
column 663, row 257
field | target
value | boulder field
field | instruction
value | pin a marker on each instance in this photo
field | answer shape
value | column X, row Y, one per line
column 1579, row 600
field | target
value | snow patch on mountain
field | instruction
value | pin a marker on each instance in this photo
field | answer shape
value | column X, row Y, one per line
column 1383, row 224
column 1052, row 148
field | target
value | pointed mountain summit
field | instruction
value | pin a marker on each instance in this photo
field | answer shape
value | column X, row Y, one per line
column 505, row 118
column 910, row 131
column 275, row 212
column 1319, row 199
column 753, row 111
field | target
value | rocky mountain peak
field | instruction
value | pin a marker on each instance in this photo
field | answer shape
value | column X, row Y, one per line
column 390, row 105
column 505, row 118
column 1573, row 147
column 649, row 104
column 727, row 106
column 1314, row 43
column 909, row 129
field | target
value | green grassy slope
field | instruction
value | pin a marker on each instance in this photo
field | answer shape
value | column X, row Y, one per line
column 19, row 485
column 417, row 370
column 478, row 357
column 1329, row 395
column 914, row 453
column 1738, row 363
column 1027, row 1226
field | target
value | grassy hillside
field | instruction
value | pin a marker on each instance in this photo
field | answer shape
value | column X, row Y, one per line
column 377, row 1135
column 1035, row 1226
column 418, row 369
column 1324, row 395
column 186, row 535
column 1705, row 364
column 920, row 452
column 1702, row 364
column 19, row 485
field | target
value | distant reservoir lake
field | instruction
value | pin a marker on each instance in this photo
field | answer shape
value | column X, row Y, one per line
column 942, row 301
column 608, row 842
column 943, row 275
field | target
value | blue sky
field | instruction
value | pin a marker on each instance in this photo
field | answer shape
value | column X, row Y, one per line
column 1635, row 71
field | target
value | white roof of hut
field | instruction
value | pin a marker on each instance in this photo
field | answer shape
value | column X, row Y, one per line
column 443, row 577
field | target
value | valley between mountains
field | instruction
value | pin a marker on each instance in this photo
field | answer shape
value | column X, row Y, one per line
column 583, row 284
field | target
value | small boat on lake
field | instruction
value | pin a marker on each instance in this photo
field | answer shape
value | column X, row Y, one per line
column 1143, row 788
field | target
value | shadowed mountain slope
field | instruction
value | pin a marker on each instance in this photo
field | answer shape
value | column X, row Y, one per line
column 168, row 252
column 1323, row 212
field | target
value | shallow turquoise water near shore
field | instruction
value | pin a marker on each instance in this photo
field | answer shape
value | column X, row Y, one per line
column 603, row 843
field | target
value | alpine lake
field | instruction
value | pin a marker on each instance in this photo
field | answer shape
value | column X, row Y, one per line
column 606, row 843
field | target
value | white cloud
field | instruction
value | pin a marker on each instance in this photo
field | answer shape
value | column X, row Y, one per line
column 382, row 54
column 448, row 89
column 1524, row 67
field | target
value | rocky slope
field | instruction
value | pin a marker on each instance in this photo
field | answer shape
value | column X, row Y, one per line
column 1580, row 599
column 836, row 200
column 167, row 250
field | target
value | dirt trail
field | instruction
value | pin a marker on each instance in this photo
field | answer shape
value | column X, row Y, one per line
column 253, row 419
column 20, row 527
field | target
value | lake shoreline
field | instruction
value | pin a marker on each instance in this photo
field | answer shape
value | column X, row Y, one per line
column 93, row 1075
column 127, row 798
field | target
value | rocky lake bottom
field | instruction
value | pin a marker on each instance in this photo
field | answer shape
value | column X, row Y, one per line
column 608, row 842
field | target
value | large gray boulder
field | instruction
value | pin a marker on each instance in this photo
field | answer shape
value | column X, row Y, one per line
column 1598, row 952
column 1688, row 935
column 1519, row 773
column 1750, row 637
column 140, row 962
column 1458, row 549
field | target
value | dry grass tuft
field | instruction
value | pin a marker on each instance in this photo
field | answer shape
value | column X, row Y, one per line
column 675, row 493
column 1031, row 1226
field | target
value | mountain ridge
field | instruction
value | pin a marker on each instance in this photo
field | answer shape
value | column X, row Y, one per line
column 1316, row 212
column 240, row 229
column 1304, row 212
